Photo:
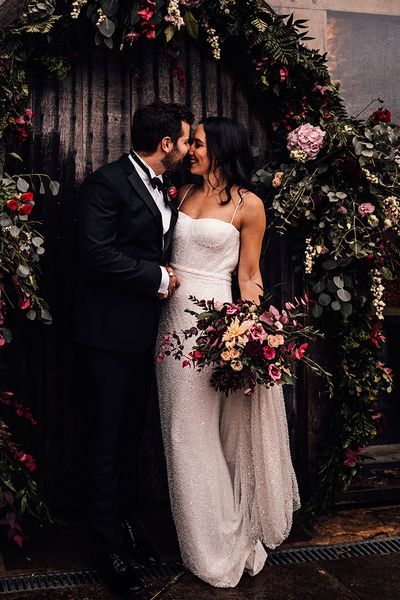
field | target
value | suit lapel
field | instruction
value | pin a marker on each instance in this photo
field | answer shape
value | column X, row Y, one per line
column 168, row 235
column 140, row 188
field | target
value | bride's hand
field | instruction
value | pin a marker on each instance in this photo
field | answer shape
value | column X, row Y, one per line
column 174, row 282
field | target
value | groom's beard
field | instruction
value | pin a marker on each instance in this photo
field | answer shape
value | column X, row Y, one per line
column 173, row 160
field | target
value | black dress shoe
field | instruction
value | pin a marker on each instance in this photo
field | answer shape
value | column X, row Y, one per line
column 119, row 576
column 138, row 546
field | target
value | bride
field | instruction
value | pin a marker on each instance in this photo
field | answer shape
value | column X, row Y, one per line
column 231, row 481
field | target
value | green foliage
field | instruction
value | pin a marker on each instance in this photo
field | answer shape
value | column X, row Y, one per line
column 347, row 253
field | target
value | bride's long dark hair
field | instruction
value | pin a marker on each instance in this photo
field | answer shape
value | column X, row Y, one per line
column 229, row 151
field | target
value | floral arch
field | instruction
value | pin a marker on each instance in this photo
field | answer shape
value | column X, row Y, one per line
column 332, row 182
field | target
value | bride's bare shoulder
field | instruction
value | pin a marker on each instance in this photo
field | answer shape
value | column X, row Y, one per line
column 251, row 202
column 184, row 190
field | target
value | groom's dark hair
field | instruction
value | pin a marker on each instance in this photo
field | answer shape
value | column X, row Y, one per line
column 152, row 123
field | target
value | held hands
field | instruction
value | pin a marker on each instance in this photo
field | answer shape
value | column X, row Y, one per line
column 174, row 283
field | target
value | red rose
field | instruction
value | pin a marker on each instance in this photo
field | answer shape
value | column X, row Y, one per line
column 381, row 116
column 25, row 209
column 13, row 204
column 269, row 353
column 24, row 302
column 27, row 197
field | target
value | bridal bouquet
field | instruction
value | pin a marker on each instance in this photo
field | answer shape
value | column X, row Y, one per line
column 245, row 343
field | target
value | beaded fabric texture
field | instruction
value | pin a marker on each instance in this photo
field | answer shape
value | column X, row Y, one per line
column 231, row 479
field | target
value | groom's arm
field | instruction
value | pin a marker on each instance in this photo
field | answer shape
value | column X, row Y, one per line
column 98, row 221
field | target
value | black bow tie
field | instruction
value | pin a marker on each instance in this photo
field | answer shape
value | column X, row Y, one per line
column 155, row 181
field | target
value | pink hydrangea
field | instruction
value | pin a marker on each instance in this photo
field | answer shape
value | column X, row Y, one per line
column 366, row 208
column 306, row 138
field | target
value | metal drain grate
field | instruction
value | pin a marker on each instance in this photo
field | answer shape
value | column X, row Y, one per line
column 43, row 581
column 71, row 579
column 335, row 551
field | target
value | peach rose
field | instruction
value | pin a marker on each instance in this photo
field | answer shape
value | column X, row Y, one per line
column 275, row 340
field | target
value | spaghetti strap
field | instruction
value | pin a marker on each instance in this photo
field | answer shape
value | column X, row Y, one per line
column 238, row 204
column 185, row 194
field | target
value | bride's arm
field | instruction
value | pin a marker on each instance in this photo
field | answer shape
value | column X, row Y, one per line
column 252, row 231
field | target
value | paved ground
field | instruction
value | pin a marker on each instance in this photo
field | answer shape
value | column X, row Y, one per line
column 366, row 578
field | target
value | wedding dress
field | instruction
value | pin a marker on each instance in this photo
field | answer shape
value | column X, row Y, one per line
column 231, row 479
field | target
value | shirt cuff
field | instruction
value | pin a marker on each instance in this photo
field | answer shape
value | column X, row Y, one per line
column 163, row 289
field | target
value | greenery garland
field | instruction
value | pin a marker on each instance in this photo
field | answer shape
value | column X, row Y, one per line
column 333, row 179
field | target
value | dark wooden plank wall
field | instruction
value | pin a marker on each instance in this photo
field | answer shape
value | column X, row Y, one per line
column 80, row 124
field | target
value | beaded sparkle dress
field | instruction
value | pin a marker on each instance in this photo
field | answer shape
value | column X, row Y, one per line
column 231, row 480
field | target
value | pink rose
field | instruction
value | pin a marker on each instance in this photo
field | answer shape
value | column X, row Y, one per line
column 366, row 208
column 308, row 139
column 341, row 210
column 274, row 372
column 232, row 309
column 257, row 332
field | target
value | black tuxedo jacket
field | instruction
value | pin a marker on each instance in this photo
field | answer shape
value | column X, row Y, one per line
column 120, row 248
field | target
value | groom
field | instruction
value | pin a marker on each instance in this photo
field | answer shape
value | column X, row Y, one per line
column 125, row 226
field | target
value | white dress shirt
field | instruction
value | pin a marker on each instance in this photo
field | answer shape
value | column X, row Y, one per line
column 164, row 209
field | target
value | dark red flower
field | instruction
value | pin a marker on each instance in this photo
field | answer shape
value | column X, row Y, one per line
column 25, row 209
column 283, row 73
column 27, row 197
column 13, row 204
column 381, row 116
column 24, row 302
column 269, row 353
column 253, row 349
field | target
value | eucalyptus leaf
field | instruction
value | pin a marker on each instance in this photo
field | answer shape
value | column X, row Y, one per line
column 367, row 152
column 317, row 311
column 7, row 335
column 22, row 185
column 347, row 309
column 329, row 265
column 324, row 299
column 31, row 315
column 344, row 295
column 339, row 281
column 319, row 286
column 107, row 28
column 14, row 230
column 23, row 270
column 335, row 305
column 45, row 315
column 54, row 187
column 41, row 188
column 109, row 42
column 331, row 287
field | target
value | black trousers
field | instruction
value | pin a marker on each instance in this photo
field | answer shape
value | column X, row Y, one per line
column 117, row 390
